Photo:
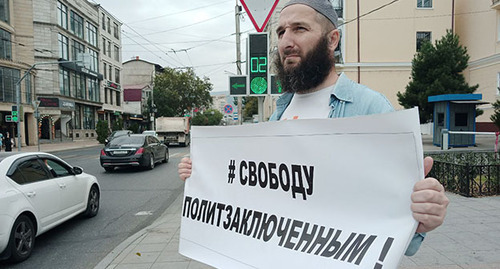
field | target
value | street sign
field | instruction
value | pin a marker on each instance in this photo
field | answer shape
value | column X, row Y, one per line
column 258, row 67
column 238, row 85
column 228, row 109
column 259, row 11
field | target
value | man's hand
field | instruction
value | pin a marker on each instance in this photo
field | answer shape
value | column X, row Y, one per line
column 429, row 201
column 185, row 168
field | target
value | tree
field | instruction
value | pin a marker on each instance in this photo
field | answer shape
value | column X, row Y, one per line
column 209, row 117
column 102, row 130
column 177, row 91
column 251, row 106
column 436, row 70
column 495, row 118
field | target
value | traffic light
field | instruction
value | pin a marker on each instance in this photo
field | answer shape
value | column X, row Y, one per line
column 15, row 114
column 257, row 62
column 238, row 85
column 276, row 88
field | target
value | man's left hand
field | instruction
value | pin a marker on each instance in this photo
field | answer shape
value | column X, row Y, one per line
column 429, row 201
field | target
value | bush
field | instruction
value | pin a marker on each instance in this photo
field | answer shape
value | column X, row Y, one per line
column 102, row 131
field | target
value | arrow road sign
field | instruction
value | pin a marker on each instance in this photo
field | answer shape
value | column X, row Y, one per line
column 238, row 85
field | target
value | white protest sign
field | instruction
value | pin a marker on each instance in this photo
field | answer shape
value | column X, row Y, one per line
column 326, row 193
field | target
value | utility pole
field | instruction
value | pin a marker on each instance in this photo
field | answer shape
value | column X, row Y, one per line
column 237, row 12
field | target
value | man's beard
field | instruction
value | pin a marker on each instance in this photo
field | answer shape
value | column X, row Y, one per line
column 309, row 73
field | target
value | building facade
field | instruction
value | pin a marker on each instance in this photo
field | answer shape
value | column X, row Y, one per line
column 138, row 81
column 16, row 58
column 66, row 30
column 111, row 67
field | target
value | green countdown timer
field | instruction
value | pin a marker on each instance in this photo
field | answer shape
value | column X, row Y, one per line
column 258, row 85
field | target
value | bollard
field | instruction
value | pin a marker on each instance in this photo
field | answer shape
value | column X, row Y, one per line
column 445, row 138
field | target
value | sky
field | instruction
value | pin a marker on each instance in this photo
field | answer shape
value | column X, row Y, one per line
column 182, row 33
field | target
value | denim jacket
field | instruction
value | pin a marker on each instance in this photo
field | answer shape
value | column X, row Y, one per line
column 348, row 99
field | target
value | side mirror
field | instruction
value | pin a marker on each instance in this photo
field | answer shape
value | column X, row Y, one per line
column 77, row 170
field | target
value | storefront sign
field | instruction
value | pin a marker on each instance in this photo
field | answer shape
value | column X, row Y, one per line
column 68, row 105
column 48, row 102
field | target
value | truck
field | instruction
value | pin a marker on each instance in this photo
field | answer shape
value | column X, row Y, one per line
column 173, row 130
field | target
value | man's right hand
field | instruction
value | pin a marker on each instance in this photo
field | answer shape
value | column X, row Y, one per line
column 185, row 168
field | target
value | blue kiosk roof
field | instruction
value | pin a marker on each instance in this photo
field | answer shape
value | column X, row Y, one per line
column 454, row 97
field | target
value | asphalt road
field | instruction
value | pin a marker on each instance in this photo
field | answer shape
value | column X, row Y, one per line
column 131, row 199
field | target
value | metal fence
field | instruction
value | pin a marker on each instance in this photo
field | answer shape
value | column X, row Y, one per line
column 471, row 174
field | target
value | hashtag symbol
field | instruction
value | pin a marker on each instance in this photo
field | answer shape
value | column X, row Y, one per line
column 231, row 174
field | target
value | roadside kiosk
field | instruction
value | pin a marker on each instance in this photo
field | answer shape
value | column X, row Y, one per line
column 455, row 112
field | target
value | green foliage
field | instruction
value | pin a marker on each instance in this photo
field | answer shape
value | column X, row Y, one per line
column 176, row 91
column 209, row 117
column 495, row 118
column 250, row 107
column 102, row 130
column 134, row 127
column 117, row 125
column 436, row 70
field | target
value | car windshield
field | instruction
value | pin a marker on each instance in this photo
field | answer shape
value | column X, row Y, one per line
column 128, row 140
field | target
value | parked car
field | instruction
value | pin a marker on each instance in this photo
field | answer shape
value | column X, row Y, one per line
column 133, row 150
column 38, row 192
column 116, row 134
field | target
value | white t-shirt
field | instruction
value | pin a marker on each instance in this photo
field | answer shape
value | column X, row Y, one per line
column 315, row 105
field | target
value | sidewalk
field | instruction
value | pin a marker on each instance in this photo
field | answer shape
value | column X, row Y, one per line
column 469, row 238
column 58, row 146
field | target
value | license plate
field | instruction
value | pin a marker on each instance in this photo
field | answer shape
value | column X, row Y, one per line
column 120, row 152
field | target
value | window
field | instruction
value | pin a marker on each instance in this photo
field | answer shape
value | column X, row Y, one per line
column 105, row 95
column 57, row 169
column 461, row 119
column 93, row 89
column 28, row 90
column 76, row 24
column 115, row 30
column 104, row 69
column 110, row 96
column 78, row 85
column 440, row 119
column 63, row 47
column 109, row 26
column 94, row 60
column 29, row 171
column 104, row 46
column 77, row 48
column 117, row 75
column 88, row 117
column 421, row 38
column 424, row 3
column 91, row 34
column 103, row 23
column 117, row 94
column 62, row 15
column 109, row 49
column 5, row 45
column 64, row 82
column 78, row 117
column 8, row 79
column 4, row 11
column 110, row 69
column 117, row 53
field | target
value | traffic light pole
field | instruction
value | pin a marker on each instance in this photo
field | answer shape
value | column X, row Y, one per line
column 237, row 11
column 18, row 97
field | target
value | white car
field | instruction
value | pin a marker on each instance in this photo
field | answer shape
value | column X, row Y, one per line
column 149, row 132
column 39, row 191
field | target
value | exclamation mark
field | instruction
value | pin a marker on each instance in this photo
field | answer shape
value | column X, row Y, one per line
column 385, row 249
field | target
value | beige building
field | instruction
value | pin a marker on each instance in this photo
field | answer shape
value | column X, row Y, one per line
column 379, row 40
column 111, row 66
column 16, row 58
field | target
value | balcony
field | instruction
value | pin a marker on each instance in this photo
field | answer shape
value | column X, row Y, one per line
column 495, row 4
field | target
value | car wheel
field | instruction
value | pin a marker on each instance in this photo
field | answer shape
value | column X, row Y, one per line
column 22, row 239
column 109, row 169
column 165, row 160
column 92, row 203
column 151, row 162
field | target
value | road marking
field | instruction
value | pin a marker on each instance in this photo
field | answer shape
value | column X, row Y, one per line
column 144, row 213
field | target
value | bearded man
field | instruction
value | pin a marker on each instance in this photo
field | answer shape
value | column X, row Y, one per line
column 307, row 38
